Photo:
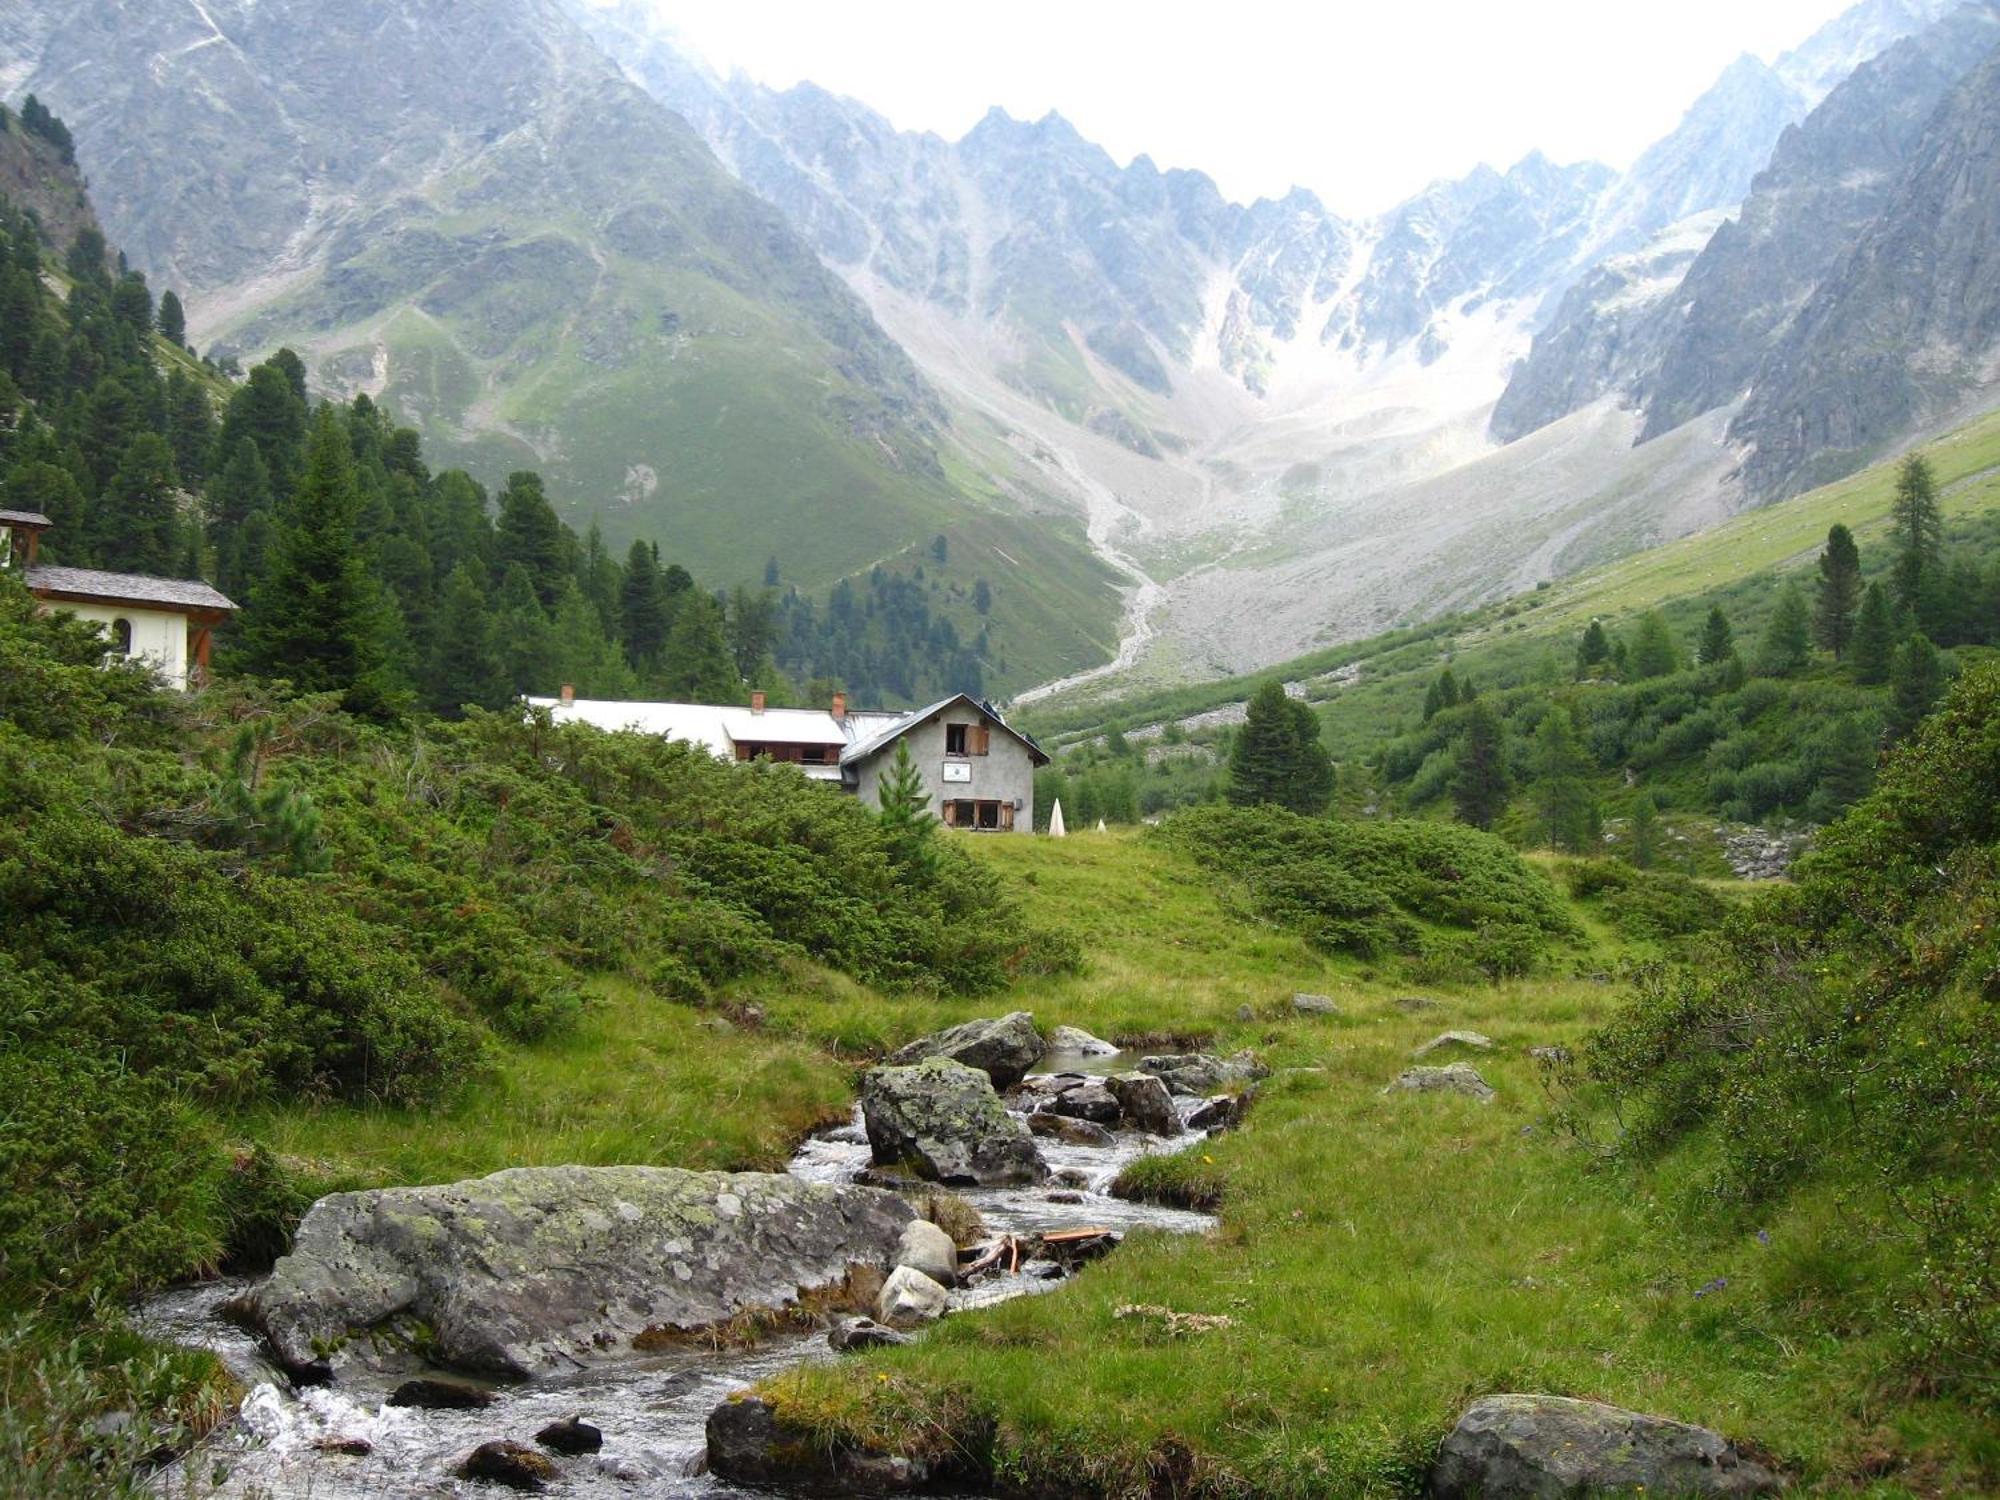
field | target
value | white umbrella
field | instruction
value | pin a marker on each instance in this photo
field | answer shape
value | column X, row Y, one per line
column 1056, row 829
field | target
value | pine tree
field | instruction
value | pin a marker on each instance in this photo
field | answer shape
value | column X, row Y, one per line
column 240, row 506
column 524, row 635
column 1873, row 647
column 642, row 610
column 598, row 576
column 982, row 596
column 1918, row 527
column 1311, row 784
column 134, row 525
column 1265, row 752
column 903, row 805
column 752, row 628
column 529, row 536
column 266, row 410
column 1562, row 795
column 460, row 533
column 1480, row 784
column 173, row 320
column 697, row 666
column 1915, row 683
column 1787, row 643
column 1593, row 651
column 1653, row 650
column 1645, row 832
column 317, row 617
column 464, row 667
column 1718, row 641
column 582, row 654
column 1839, row 592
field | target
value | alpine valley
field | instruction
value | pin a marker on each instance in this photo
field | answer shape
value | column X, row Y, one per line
column 770, row 326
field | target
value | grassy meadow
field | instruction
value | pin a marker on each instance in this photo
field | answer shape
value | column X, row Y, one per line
column 1381, row 1258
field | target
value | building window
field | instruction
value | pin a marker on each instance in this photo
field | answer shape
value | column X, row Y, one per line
column 121, row 637
column 982, row 816
column 957, row 738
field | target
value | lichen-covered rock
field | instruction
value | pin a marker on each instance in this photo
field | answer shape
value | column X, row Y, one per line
column 1315, row 1005
column 544, row 1268
column 909, row 1297
column 1076, row 1042
column 1003, row 1047
column 1052, row 1126
column 1202, row 1072
column 1520, row 1447
column 1145, row 1102
column 1473, row 1041
column 1453, row 1078
column 927, row 1248
column 944, row 1119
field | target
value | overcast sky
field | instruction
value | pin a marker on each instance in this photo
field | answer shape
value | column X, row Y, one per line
column 1362, row 102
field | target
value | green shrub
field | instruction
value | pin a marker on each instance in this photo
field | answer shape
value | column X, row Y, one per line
column 1645, row 905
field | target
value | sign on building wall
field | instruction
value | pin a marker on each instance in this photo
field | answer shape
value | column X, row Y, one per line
column 954, row 771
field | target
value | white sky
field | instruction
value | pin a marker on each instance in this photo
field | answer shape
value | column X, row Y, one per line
column 1363, row 101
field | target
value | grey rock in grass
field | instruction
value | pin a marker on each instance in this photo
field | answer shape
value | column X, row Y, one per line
column 1453, row 1078
column 1315, row 1005
column 1555, row 1057
column 944, row 1119
column 1202, row 1072
column 1001, row 1047
column 548, row 1268
column 1055, row 1127
column 1224, row 1112
column 909, row 1297
column 1416, row 1005
column 852, row 1334
column 1474, row 1040
column 1145, row 1102
column 1079, row 1043
column 927, row 1248
column 1525, row 1447
column 1092, row 1102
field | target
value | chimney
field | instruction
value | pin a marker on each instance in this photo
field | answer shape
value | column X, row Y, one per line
column 569, row 695
column 840, row 708
column 756, row 700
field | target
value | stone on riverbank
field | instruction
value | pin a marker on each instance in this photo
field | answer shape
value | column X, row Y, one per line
column 1145, row 1102
column 1522, row 1447
column 440, row 1395
column 572, row 1437
column 945, row 1121
column 1055, row 1127
column 749, row 1442
column 1092, row 1102
column 1079, row 1043
column 512, row 1464
column 1202, row 1072
column 852, row 1334
column 1003, row 1047
column 927, row 1248
column 544, row 1268
column 909, row 1297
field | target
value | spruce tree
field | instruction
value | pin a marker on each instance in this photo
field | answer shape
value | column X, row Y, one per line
column 266, row 410
column 1916, row 682
column 903, row 805
column 1787, row 643
column 1479, row 784
column 317, row 617
column 1265, row 752
column 529, row 536
column 752, row 628
column 1873, row 647
column 1311, row 785
column 173, row 320
column 642, row 610
column 460, row 533
column 1839, row 593
column 1653, row 650
column 524, row 634
column 190, row 428
column 697, row 666
column 1645, row 832
column 582, row 654
column 240, row 506
column 1593, row 650
column 1718, row 641
column 135, row 525
column 1918, row 527
column 464, row 666
column 1562, row 793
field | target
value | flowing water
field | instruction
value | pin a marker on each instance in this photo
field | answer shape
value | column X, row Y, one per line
column 652, row 1409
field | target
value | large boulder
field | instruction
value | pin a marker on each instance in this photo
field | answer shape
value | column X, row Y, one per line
column 1452, row 1078
column 1444, row 1041
column 1516, row 1447
column 909, row 1297
column 1202, row 1072
column 1145, row 1102
column 1073, row 1041
column 1092, row 1102
column 546, row 1268
column 1070, row 1132
column 750, row 1441
column 944, row 1120
column 1003, row 1048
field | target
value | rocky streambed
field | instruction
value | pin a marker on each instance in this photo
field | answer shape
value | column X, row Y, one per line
column 411, row 1330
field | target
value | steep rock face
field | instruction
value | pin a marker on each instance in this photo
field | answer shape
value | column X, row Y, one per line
column 1905, row 329
column 34, row 176
column 1828, row 180
column 466, row 208
column 542, row 1268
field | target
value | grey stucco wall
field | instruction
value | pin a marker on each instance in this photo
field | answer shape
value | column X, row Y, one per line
column 1004, row 774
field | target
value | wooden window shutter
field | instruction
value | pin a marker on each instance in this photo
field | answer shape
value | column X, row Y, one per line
column 982, row 738
column 950, row 819
column 1006, row 817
